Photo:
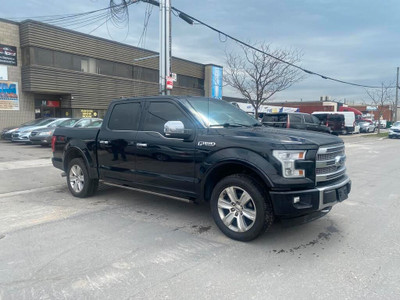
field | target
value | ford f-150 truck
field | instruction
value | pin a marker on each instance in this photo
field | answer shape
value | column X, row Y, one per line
column 199, row 149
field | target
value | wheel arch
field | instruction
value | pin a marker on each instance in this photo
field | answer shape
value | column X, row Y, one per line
column 76, row 152
column 230, row 167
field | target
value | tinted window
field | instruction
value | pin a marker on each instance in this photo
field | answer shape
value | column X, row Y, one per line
column 43, row 57
column 145, row 74
column 125, row 116
column 105, row 67
column 161, row 112
column 62, row 60
column 308, row 119
column 191, row 82
column 295, row 118
column 122, row 70
column 316, row 120
column 274, row 118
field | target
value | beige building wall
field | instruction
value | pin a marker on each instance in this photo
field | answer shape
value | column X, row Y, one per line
column 9, row 35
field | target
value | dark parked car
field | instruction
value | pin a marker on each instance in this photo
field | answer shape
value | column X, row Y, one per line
column 335, row 122
column 295, row 121
column 198, row 149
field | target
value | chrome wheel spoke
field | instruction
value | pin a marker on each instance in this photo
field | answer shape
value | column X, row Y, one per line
column 228, row 219
column 230, row 191
column 249, row 214
column 242, row 227
column 222, row 203
column 244, row 198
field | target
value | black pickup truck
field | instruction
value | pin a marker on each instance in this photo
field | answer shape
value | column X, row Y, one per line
column 199, row 149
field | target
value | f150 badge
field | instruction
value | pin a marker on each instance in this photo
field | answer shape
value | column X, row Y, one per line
column 208, row 144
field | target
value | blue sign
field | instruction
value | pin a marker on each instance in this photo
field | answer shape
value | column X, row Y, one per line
column 216, row 82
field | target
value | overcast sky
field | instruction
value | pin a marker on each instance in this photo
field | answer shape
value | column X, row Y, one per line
column 355, row 40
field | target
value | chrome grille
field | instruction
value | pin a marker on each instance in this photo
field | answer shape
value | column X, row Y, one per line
column 330, row 163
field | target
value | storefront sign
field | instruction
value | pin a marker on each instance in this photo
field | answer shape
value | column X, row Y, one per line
column 52, row 103
column 89, row 113
column 216, row 82
column 9, row 99
column 8, row 55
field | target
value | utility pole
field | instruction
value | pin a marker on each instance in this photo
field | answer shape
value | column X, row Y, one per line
column 165, row 44
column 397, row 95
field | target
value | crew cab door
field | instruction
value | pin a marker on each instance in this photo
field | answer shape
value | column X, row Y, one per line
column 165, row 164
column 116, row 143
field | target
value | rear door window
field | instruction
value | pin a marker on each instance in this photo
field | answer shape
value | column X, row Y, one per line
column 308, row 119
column 295, row 119
column 125, row 116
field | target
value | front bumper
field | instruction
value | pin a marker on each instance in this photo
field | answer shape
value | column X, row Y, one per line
column 291, row 204
column 37, row 139
column 20, row 138
column 394, row 134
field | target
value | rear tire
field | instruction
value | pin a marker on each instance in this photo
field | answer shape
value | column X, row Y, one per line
column 240, row 207
column 78, row 180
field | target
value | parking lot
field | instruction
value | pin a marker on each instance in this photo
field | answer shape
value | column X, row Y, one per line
column 122, row 244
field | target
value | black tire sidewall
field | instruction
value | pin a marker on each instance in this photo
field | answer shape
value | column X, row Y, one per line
column 86, row 186
column 250, row 186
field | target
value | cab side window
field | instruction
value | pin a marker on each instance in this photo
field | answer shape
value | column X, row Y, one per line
column 159, row 113
column 296, row 119
column 308, row 119
column 125, row 116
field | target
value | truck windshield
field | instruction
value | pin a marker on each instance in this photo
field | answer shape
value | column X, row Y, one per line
column 215, row 113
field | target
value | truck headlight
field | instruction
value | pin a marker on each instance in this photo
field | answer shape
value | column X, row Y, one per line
column 287, row 159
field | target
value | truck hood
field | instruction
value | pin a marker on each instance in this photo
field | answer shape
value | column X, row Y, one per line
column 287, row 138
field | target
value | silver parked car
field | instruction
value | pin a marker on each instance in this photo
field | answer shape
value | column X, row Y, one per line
column 22, row 135
column 394, row 131
column 43, row 136
column 366, row 126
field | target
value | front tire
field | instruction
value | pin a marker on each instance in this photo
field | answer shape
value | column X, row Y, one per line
column 240, row 207
column 78, row 180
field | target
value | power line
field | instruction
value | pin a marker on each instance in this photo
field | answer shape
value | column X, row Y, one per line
column 190, row 20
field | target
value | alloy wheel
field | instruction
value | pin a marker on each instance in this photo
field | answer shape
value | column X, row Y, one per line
column 76, row 178
column 236, row 209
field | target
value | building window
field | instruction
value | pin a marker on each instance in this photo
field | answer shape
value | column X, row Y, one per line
column 26, row 56
column 190, row 82
column 123, row 70
column 43, row 57
column 145, row 74
column 105, row 67
column 63, row 60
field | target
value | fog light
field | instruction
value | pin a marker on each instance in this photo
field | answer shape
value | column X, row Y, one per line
column 296, row 200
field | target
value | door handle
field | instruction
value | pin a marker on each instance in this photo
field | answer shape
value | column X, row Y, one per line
column 141, row 145
column 102, row 142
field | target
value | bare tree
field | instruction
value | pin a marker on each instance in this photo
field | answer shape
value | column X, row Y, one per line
column 258, row 76
column 380, row 98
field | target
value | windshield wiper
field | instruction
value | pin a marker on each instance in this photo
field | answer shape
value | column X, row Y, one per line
column 256, row 125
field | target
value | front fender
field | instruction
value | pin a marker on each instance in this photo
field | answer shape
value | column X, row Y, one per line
column 245, row 157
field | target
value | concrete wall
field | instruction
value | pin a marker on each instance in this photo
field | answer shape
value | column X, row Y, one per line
column 9, row 35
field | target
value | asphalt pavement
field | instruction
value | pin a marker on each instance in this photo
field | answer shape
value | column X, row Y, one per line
column 121, row 244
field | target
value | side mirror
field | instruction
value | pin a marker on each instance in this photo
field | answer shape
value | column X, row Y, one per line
column 176, row 129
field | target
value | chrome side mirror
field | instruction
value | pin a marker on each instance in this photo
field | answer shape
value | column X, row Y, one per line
column 176, row 129
column 172, row 127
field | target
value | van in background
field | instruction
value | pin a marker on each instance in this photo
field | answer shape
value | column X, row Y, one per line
column 333, row 120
